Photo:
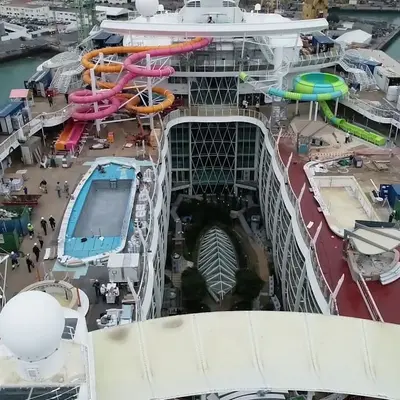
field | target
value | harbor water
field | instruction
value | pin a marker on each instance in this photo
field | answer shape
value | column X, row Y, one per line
column 14, row 73
column 393, row 49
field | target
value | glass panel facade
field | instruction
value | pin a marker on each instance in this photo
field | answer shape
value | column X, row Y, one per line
column 217, row 262
column 40, row 393
column 214, row 155
column 214, row 90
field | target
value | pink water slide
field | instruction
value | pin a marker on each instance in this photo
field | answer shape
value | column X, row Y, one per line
column 75, row 136
column 110, row 104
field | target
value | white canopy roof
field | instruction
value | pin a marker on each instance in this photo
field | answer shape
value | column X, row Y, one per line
column 213, row 352
column 356, row 36
column 377, row 240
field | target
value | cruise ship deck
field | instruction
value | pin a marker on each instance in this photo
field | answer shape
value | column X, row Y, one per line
column 329, row 246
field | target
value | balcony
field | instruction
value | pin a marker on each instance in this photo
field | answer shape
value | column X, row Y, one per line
column 322, row 60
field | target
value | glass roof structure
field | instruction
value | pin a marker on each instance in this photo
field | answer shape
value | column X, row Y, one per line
column 217, row 262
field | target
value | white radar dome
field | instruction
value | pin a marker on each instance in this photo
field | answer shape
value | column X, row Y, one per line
column 147, row 8
column 31, row 325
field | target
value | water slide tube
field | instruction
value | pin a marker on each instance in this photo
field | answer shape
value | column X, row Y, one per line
column 318, row 86
column 111, row 98
column 75, row 136
column 70, row 136
column 64, row 136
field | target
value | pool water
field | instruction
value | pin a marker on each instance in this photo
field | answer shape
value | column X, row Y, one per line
column 99, row 212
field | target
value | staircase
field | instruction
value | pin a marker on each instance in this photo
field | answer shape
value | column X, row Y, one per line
column 359, row 73
column 66, row 77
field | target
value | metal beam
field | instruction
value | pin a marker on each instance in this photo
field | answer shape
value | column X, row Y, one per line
column 377, row 231
column 355, row 236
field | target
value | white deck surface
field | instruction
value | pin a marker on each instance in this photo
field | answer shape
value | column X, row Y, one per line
column 213, row 352
column 343, row 208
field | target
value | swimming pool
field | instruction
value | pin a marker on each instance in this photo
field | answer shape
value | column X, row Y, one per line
column 98, row 217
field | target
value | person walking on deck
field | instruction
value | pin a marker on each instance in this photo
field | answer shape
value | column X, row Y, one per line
column 52, row 222
column 29, row 263
column 43, row 223
column 36, row 251
column 14, row 260
column 31, row 231
column 58, row 189
column 40, row 239
column 66, row 188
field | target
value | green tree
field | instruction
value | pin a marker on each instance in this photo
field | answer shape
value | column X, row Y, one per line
column 248, row 284
column 194, row 287
column 269, row 305
column 333, row 19
column 194, row 307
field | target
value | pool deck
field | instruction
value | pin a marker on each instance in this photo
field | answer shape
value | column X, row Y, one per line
column 328, row 245
column 51, row 204
column 98, row 243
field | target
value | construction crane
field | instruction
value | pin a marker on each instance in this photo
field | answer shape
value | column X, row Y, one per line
column 270, row 5
column 85, row 17
column 315, row 9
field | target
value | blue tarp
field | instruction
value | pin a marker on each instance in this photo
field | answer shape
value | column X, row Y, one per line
column 113, row 40
column 322, row 40
column 10, row 108
column 102, row 36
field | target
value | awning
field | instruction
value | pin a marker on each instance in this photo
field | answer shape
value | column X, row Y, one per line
column 113, row 40
column 19, row 94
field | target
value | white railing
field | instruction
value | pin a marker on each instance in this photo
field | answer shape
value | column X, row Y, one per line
column 372, row 111
column 11, row 143
column 211, row 112
column 328, row 57
column 44, row 120
column 368, row 299
column 144, row 257
column 228, row 65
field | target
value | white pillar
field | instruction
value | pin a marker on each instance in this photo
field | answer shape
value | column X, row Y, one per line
column 316, row 111
column 297, row 108
column 101, row 62
column 278, row 61
column 149, row 90
column 96, row 104
column 311, row 110
column 336, row 106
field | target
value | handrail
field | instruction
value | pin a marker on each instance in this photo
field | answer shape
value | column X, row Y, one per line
column 208, row 112
column 308, row 239
column 368, row 299
column 374, row 109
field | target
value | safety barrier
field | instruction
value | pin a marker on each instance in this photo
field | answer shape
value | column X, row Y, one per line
column 368, row 299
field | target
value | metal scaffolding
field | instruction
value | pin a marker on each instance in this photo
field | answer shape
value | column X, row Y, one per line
column 85, row 17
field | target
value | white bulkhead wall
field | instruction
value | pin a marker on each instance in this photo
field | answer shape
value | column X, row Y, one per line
column 221, row 11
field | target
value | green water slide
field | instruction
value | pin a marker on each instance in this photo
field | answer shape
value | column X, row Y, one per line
column 318, row 86
column 355, row 130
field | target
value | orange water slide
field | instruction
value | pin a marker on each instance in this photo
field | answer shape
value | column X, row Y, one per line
column 64, row 136
column 116, row 68
column 133, row 106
